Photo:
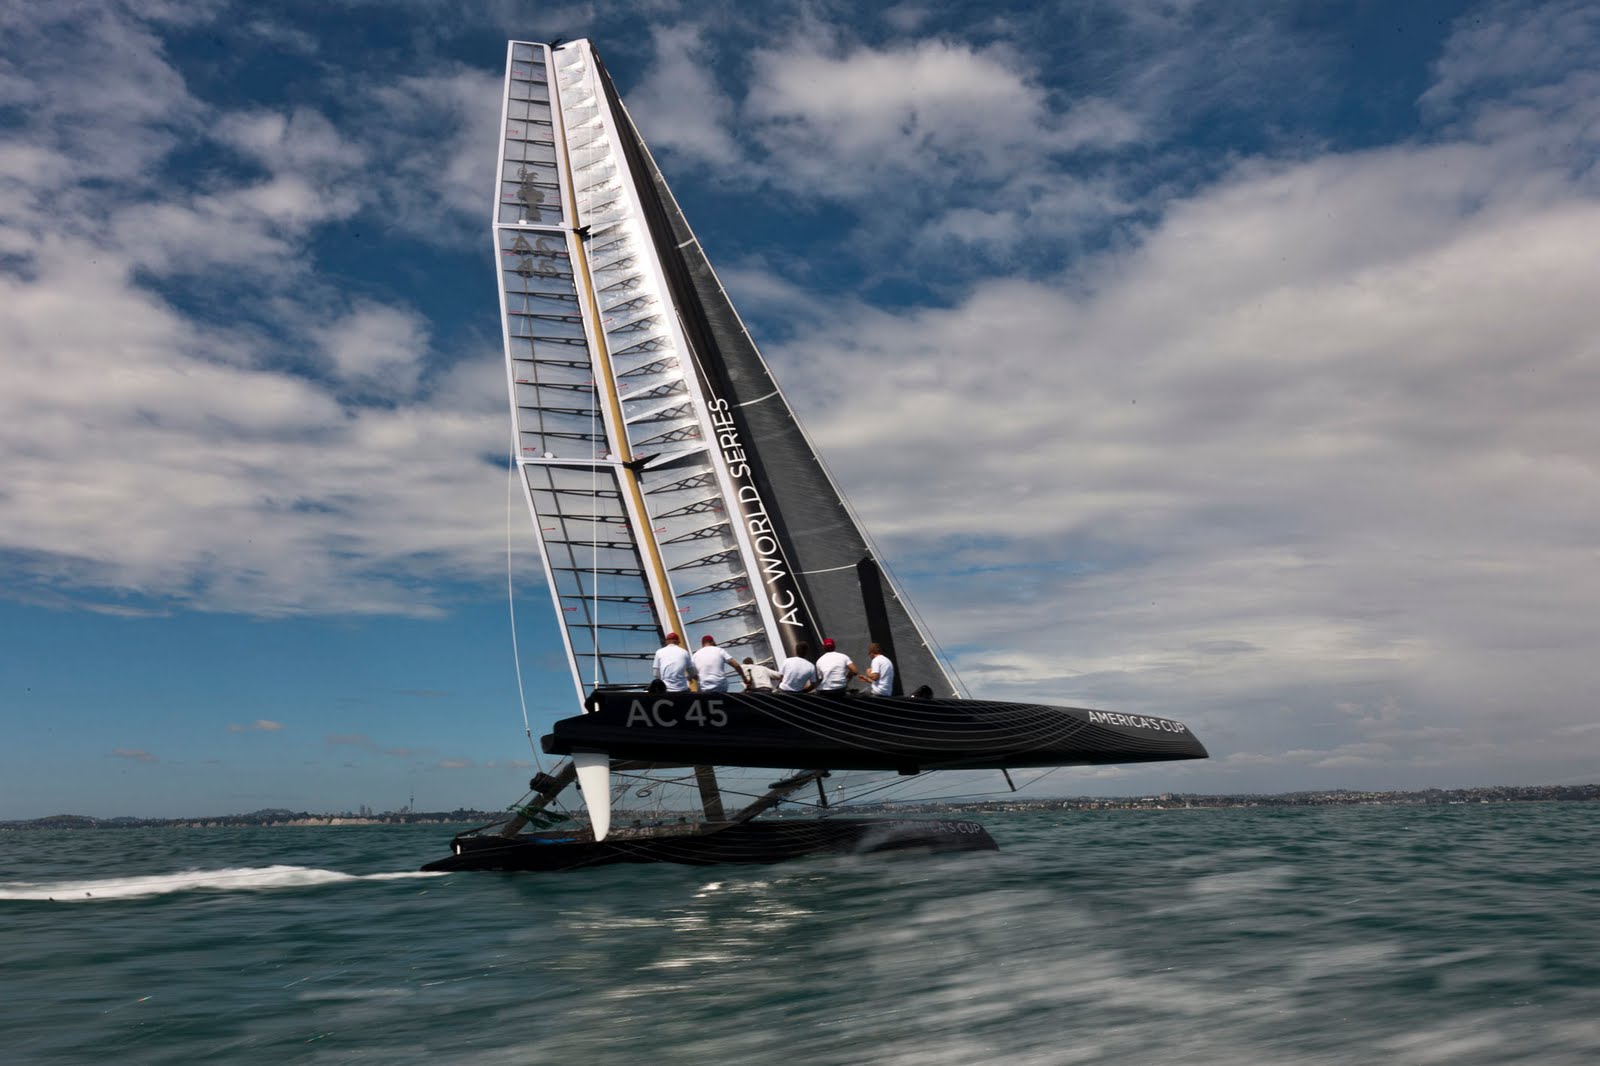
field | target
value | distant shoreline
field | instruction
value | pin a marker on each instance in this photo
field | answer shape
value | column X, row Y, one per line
column 1162, row 801
column 302, row 818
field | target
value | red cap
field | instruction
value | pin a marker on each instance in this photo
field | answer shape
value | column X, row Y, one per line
column 708, row 639
column 827, row 645
column 671, row 637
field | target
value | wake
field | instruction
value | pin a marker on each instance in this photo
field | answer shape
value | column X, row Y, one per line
column 248, row 879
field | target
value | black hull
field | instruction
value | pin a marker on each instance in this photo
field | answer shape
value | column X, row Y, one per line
column 863, row 733
column 760, row 842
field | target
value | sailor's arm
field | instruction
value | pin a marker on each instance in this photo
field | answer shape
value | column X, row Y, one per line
column 738, row 668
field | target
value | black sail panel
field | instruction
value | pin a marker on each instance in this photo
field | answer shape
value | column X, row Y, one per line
column 821, row 541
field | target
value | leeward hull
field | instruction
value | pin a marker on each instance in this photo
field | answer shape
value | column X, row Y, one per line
column 771, row 841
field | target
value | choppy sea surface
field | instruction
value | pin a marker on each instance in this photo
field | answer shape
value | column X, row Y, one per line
column 1460, row 934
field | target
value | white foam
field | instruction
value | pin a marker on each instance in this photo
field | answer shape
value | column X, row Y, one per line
column 246, row 879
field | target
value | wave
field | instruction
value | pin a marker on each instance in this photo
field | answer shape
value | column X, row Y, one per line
column 246, row 879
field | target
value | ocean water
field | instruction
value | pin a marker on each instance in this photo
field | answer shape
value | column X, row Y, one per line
column 1463, row 934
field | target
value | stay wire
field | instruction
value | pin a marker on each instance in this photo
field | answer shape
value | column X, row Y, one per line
column 511, row 607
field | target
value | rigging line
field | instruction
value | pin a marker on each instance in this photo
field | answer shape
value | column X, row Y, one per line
column 959, row 797
column 758, row 399
column 850, row 798
column 930, row 785
column 896, row 783
column 511, row 607
column 830, row 569
column 1035, row 780
column 916, row 615
column 929, row 794
column 594, row 541
column 681, row 781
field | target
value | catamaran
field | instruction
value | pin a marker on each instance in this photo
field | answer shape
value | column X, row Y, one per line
column 673, row 490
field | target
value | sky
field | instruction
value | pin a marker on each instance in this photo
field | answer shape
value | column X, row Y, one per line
column 1227, row 362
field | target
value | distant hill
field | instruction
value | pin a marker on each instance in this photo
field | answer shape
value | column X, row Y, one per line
column 59, row 821
column 271, row 816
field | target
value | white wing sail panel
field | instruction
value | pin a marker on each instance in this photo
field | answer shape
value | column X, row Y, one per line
column 597, row 573
column 664, row 424
column 598, row 567
column 530, row 184
column 611, row 433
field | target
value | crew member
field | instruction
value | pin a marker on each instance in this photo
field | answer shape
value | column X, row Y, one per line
column 716, row 667
column 834, row 670
column 673, row 667
column 763, row 678
column 797, row 673
column 880, row 672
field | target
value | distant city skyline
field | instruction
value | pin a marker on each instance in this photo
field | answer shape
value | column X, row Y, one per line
column 1201, row 361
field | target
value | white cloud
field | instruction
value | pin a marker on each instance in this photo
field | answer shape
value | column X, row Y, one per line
column 1036, row 213
column 906, row 16
column 844, row 123
column 382, row 348
column 282, row 37
column 210, row 232
column 1503, row 49
column 303, row 141
column 678, row 105
column 177, row 454
column 260, row 725
column 67, row 111
column 433, row 140
column 220, row 485
column 1097, row 123
column 1333, row 411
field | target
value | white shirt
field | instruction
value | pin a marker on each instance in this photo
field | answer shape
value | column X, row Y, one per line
column 673, row 667
column 881, row 666
column 762, row 677
column 797, row 674
column 713, row 664
column 833, row 671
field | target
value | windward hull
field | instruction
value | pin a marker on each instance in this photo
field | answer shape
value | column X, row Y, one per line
column 750, row 843
column 863, row 733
